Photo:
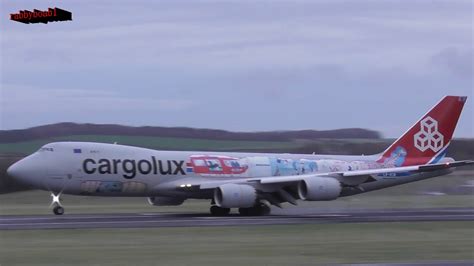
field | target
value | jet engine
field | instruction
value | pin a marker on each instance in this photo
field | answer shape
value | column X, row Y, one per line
column 235, row 196
column 165, row 201
column 319, row 188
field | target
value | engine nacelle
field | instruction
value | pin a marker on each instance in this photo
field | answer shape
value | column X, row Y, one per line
column 235, row 196
column 165, row 201
column 319, row 188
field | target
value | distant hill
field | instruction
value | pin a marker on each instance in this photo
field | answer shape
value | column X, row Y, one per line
column 68, row 129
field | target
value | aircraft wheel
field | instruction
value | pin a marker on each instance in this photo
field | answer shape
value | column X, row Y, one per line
column 218, row 211
column 244, row 211
column 265, row 210
column 58, row 210
column 257, row 210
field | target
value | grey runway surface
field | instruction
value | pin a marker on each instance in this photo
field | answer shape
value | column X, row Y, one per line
column 279, row 217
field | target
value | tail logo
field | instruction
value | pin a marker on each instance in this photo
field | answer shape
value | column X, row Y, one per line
column 429, row 137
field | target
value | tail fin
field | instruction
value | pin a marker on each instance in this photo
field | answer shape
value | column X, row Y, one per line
column 426, row 141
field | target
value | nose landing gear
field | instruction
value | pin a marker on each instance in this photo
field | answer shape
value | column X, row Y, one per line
column 57, row 207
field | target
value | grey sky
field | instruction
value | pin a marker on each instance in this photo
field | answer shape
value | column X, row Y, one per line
column 237, row 65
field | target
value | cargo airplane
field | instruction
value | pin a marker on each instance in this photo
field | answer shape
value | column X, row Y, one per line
column 251, row 182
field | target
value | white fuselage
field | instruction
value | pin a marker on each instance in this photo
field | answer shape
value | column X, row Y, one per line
column 84, row 168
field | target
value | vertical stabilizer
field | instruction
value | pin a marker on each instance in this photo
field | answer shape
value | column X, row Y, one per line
column 426, row 141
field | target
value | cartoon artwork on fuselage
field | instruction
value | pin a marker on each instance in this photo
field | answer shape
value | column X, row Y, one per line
column 260, row 166
column 284, row 167
column 224, row 166
column 397, row 158
column 90, row 187
column 215, row 165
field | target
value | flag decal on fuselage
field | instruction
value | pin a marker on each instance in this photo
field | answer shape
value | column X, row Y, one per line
column 189, row 168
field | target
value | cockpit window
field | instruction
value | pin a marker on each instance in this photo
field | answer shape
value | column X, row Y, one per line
column 42, row 149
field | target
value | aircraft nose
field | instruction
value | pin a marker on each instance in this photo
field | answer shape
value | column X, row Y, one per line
column 13, row 170
column 22, row 170
column 16, row 170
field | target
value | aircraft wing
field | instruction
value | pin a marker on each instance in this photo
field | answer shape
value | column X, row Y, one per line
column 347, row 177
column 415, row 168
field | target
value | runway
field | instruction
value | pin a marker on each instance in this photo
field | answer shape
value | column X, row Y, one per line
column 279, row 217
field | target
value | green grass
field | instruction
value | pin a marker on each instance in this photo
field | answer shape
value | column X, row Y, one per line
column 164, row 143
column 251, row 245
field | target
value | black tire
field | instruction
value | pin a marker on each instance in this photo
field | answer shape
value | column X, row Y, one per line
column 257, row 210
column 265, row 210
column 245, row 211
column 218, row 211
column 58, row 210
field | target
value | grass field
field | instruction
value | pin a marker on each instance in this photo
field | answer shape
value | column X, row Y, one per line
column 251, row 245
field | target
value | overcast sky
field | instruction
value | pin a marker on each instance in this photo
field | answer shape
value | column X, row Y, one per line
column 238, row 65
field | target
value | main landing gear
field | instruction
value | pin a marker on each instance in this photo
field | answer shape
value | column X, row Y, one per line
column 257, row 210
column 57, row 207
column 218, row 211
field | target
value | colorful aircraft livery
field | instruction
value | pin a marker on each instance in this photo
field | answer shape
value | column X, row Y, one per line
column 250, row 182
